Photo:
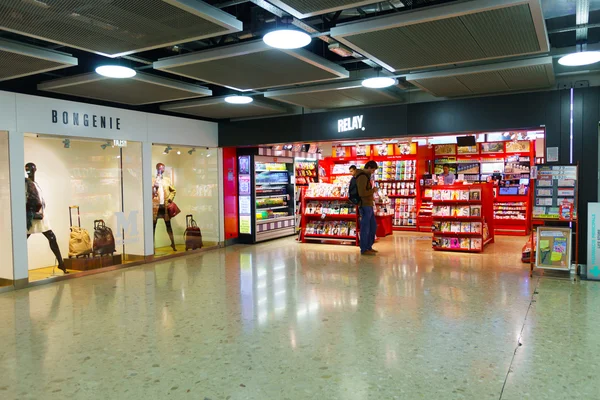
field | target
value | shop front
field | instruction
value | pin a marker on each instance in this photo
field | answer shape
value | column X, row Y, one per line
column 83, row 191
column 461, row 173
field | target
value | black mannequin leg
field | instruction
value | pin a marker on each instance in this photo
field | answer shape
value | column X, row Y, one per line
column 55, row 249
column 170, row 232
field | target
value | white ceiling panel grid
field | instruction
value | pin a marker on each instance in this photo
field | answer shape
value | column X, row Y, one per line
column 18, row 60
column 139, row 90
column 308, row 8
column 449, row 34
column 334, row 95
column 253, row 66
column 217, row 108
column 503, row 77
column 116, row 27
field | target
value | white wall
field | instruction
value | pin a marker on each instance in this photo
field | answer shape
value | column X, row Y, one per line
column 6, row 261
column 196, row 179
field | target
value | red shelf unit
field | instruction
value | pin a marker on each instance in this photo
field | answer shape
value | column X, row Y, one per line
column 306, row 218
column 487, row 216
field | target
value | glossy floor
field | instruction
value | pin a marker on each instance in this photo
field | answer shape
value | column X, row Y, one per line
column 282, row 320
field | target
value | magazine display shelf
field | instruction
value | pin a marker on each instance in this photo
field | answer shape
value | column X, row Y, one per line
column 335, row 227
column 462, row 227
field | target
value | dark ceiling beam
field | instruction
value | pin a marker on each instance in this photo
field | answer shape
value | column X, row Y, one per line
column 231, row 3
column 574, row 28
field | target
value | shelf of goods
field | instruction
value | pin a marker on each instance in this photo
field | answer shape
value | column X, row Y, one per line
column 328, row 215
column 511, row 216
column 424, row 217
column 306, row 172
column 273, row 199
column 384, row 214
column 397, row 180
column 462, row 217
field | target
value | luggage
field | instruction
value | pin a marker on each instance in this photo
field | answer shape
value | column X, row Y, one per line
column 192, row 234
column 104, row 241
column 80, row 244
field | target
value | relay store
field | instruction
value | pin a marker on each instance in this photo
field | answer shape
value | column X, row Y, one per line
column 103, row 187
column 420, row 151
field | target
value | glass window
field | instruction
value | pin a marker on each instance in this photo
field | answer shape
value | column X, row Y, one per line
column 84, row 204
column 186, row 179
column 6, row 261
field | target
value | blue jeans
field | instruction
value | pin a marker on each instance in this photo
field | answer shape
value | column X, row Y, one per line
column 368, row 227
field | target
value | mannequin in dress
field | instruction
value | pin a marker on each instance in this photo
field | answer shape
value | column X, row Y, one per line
column 162, row 195
column 36, row 216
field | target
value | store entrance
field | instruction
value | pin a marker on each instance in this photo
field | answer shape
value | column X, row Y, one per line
column 463, row 191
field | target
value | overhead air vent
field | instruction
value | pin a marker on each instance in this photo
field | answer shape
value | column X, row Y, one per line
column 17, row 60
column 141, row 89
column 492, row 78
column 217, row 108
column 450, row 34
column 309, row 8
column 335, row 95
column 116, row 27
column 252, row 66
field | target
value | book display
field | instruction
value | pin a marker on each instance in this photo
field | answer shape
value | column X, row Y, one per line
column 328, row 215
column 462, row 217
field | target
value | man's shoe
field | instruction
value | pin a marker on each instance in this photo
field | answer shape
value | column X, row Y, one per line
column 373, row 250
column 368, row 253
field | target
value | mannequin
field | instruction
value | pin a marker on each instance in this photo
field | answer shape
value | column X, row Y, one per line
column 162, row 195
column 36, row 216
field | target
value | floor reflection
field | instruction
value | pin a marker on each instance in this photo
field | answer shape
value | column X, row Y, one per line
column 276, row 320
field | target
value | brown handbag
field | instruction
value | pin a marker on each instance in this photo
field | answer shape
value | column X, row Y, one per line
column 104, row 241
column 172, row 209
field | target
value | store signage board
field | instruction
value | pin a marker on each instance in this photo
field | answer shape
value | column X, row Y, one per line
column 351, row 124
column 86, row 120
column 553, row 248
column 555, row 192
column 593, row 242
column 119, row 143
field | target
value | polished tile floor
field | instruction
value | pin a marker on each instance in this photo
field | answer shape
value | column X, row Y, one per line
column 281, row 320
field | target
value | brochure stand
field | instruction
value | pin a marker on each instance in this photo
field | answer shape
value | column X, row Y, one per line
column 554, row 221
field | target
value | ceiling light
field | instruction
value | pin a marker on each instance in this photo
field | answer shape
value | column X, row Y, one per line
column 581, row 58
column 238, row 99
column 378, row 82
column 115, row 71
column 287, row 39
column 178, row 152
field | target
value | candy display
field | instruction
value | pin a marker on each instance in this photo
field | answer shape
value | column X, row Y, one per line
column 306, row 172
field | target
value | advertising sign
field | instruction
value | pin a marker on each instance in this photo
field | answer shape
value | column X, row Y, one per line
column 593, row 242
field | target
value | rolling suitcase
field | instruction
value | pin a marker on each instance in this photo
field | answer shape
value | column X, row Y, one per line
column 104, row 240
column 192, row 234
column 80, row 244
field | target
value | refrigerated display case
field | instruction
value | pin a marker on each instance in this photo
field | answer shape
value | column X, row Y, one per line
column 266, row 197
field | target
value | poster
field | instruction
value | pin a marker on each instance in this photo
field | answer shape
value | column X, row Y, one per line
column 593, row 242
column 468, row 149
column 553, row 249
column 552, row 154
column 522, row 146
column 444, row 149
column 493, row 147
column 245, row 224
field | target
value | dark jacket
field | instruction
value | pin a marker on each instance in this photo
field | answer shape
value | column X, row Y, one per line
column 365, row 189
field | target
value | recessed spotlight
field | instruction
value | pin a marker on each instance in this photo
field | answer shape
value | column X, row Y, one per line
column 581, row 58
column 378, row 82
column 115, row 71
column 287, row 39
column 238, row 99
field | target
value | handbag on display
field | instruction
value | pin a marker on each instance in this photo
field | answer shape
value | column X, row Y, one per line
column 172, row 209
column 192, row 234
column 104, row 241
column 80, row 243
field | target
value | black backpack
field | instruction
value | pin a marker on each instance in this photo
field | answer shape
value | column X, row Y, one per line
column 353, row 189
